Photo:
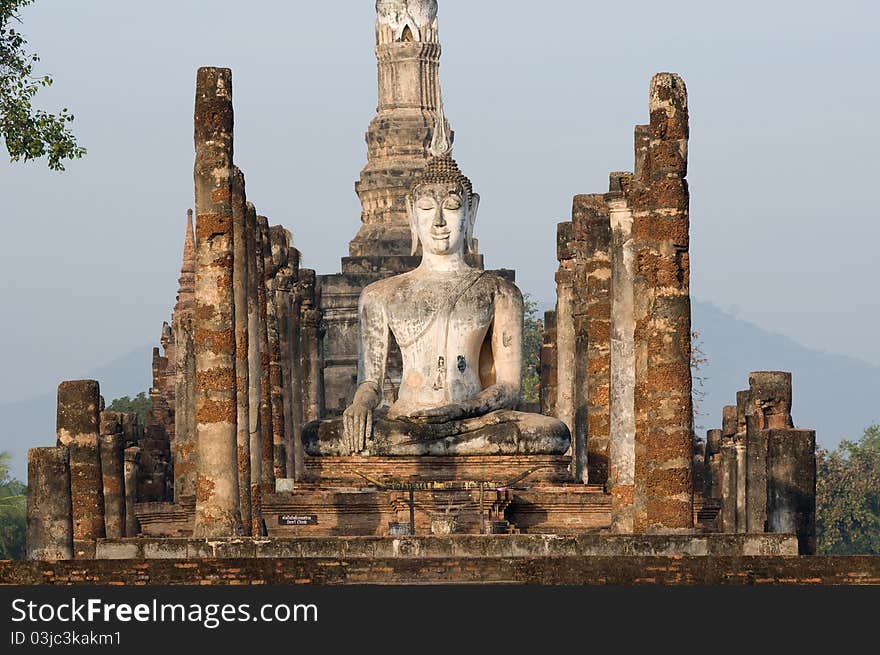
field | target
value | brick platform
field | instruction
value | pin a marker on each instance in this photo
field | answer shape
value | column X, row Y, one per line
column 599, row 570
column 459, row 546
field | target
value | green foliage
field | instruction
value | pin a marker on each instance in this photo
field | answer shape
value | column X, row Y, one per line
column 13, row 521
column 848, row 497
column 29, row 133
column 533, row 337
column 140, row 405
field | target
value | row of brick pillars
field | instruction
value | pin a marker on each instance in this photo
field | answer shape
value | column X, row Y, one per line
column 83, row 489
column 759, row 470
column 616, row 362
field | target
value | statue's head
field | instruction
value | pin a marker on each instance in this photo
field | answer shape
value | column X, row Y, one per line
column 441, row 203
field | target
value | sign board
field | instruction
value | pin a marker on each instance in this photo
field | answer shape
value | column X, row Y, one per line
column 297, row 519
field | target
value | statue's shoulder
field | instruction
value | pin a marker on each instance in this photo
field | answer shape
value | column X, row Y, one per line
column 501, row 285
column 381, row 290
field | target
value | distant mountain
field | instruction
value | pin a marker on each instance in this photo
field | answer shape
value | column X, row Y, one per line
column 835, row 395
column 30, row 423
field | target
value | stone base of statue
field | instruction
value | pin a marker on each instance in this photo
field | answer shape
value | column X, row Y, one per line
column 504, row 432
column 433, row 508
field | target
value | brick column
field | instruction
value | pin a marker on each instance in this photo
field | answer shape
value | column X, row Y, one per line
column 217, row 500
column 548, row 365
column 592, row 222
column 728, row 470
column 622, row 418
column 49, row 510
column 78, row 425
column 664, row 415
column 791, row 485
column 566, row 336
column 312, row 358
column 769, row 400
column 113, row 474
column 275, row 256
column 713, row 465
column 242, row 373
column 296, row 394
column 740, row 440
column 254, row 369
column 131, row 471
column 267, row 429
column 288, row 332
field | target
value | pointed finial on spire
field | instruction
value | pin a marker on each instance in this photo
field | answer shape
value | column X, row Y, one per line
column 187, row 281
column 189, row 244
column 441, row 143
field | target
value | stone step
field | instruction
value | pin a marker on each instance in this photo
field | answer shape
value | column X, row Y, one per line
column 451, row 546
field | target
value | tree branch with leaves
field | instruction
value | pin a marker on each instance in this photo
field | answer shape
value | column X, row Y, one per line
column 29, row 133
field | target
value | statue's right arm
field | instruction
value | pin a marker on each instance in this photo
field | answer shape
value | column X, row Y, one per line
column 372, row 354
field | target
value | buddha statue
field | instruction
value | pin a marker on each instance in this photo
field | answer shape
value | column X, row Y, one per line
column 459, row 330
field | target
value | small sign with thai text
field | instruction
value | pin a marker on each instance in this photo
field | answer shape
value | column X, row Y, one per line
column 297, row 519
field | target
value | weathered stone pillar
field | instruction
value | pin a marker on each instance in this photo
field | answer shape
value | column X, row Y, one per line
column 78, row 425
column 770, row 394
column 49, row 510
column 113, row 474
column 641, row 140
column 217, row 499
column 288, row 331
column 131, row 471
column 728, row 470
column 662, row 313
column 184, row 445
column 549, row 377
column 267, row 469
column 740, row 440
column 791, row 485
column 622, row 418
column 296, row 393
column 566, row 337
column 712, row 467
column 756, row 475
column 592, row 222
column 242, row 373
column 275, row 257
column 254, row 371
column 311, row 349
column 739, row 445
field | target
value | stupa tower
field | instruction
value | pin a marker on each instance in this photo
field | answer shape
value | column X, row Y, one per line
column 398, row 139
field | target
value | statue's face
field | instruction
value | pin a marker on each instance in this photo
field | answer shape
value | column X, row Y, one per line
column 440, row 215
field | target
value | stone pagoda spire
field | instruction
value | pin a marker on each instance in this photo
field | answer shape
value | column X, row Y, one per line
column 399, row 137
column 183, row 447
column 187, row 280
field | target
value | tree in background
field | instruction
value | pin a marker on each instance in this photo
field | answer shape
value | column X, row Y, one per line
column 533, row 338
column 29, row 133
column 698, row 392
column 140, row 405
column 848, row 496
column 13, row 522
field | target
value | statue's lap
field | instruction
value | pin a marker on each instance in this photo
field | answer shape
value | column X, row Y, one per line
column 503, row 432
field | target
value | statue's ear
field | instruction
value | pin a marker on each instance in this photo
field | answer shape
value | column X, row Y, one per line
column 411, row 213
column 472, row 218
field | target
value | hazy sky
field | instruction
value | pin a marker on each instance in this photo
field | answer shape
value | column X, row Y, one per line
column 543, row 98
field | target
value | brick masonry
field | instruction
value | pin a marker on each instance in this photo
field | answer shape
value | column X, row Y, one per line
column 599, row 570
